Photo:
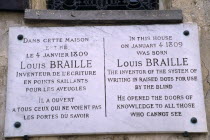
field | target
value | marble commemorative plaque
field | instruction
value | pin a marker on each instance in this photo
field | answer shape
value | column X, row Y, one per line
column 104, row 79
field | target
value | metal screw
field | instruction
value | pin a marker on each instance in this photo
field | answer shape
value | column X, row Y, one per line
column 17, row 124
column 194, row 120
column 186, row 134
column 26, row 137
column 186, row 33
column 20, row 37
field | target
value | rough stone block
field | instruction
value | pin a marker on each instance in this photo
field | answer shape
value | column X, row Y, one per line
column 107, row 16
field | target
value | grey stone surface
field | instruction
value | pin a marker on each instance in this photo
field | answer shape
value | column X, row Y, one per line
column 120, row 89
column 107, row 16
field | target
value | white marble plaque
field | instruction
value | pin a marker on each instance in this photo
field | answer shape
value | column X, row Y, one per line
column 104, row 79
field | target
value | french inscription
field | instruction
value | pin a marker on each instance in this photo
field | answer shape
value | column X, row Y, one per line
column 119, row 79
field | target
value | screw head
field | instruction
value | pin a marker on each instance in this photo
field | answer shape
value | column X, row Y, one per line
column 194, row 120
column 185, row 134
column 26, row 137
column 20, row 37
column 17, row 125
column 186, row 33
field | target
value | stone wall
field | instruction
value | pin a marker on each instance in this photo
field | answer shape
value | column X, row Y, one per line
column 197, row 11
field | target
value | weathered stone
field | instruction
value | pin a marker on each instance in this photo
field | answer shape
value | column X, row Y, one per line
column 38, row 4
column 207, row 11
column 2, row 109
column 107, row 16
